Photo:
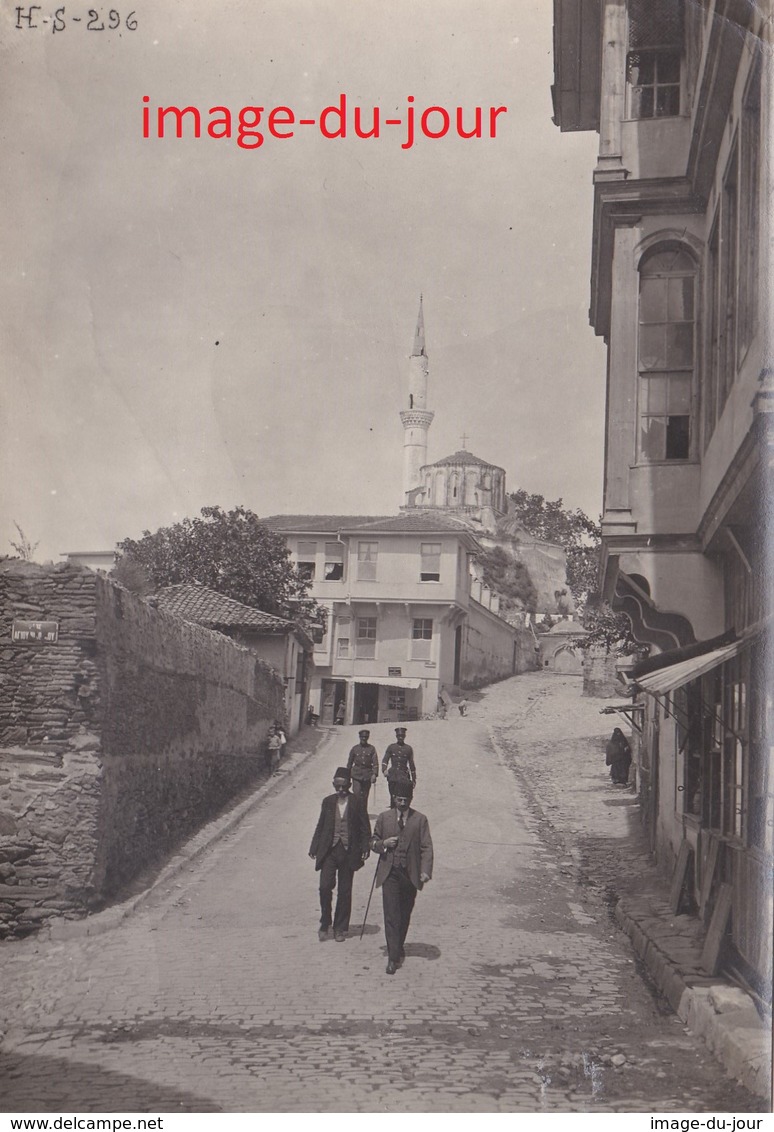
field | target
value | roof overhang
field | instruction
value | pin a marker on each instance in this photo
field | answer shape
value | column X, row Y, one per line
column 680, row 672
column 650, row 625
column 577, row 64
column 389, row 681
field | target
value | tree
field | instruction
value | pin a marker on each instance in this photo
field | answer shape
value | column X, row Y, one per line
column 605, row 627
column 132, row 575
column 573, row 530
column 509, row 578
column 25, row 549
column 547, row 519
column 580, row 536
column 232, row 553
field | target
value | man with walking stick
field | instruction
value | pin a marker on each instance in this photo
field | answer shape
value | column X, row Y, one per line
column 340, row 846
column 402, row 840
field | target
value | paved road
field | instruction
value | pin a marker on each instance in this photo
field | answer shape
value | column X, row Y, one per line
column 517, row 994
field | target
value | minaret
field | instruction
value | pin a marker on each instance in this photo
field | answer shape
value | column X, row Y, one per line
column 417, row 418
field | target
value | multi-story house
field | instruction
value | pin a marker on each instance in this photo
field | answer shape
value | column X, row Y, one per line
column 404, row 618
column 679, row 92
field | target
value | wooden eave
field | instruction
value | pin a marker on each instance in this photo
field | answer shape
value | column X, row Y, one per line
column 577, row 64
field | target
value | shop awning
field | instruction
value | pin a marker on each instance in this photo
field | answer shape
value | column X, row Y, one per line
column 676, row 675
column 389, row 681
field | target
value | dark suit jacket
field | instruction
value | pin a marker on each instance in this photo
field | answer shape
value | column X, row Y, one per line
column 416, row 836
column 358, row 831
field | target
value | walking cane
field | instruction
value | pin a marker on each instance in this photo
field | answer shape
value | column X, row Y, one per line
column 370, row 894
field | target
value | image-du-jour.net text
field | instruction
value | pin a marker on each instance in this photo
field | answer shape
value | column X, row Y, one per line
column 250, row 126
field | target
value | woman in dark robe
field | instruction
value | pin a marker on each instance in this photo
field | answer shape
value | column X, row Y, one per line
column 618, row 757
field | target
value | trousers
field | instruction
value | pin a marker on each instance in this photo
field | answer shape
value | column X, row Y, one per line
column 361, row 788
column 335, row 867
column 398, row 896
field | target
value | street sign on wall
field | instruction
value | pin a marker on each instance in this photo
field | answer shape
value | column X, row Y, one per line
column 47, row 631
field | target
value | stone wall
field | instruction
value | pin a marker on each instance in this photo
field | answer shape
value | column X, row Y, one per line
column 600, row 677
column 493, row 649
column 116, row 741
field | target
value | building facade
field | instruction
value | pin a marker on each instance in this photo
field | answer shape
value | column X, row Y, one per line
column 679, row 92
column 404, row 617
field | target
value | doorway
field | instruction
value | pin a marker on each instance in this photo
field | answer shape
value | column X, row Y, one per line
column 366, row 703
column 334, row 693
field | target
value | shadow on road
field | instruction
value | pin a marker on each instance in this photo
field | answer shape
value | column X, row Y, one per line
column 34, row 1083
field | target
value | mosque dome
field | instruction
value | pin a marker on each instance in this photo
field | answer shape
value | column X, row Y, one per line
column 463, row 483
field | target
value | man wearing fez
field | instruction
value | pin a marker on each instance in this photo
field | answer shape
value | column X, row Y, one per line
column 340, row 846
column 398, row 763
column 402, row 840
column 363, row 765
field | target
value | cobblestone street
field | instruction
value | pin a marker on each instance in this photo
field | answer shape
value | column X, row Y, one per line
column 518, row 992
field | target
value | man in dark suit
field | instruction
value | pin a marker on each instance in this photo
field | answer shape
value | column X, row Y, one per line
column 339, row 847
column 402, row 840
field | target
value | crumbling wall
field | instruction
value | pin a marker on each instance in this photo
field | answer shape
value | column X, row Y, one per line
column 116, row 740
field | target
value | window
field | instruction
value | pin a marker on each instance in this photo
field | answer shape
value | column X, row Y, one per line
column 710, row 385
column 342, row 648
column 430, row 568
column 307, row 553
column 396, row 700
column 421, row 638
column 666, row 345
column 367, row 554
column 749, row 220
column 727, row 784
column 366, row 638
column 654, row 61
column 334, row 562
column 728, row 262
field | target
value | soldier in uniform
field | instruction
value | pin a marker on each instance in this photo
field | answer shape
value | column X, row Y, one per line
column 363, row 765
column 399, row 758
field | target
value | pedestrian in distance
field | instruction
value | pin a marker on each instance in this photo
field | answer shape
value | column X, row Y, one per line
column 463, row 706
column 273, row 749
column 363, row 765
column 441, row 708
column 311, row 716
column 618, row 756
column 279, row 728
column 340, row 846
column 340, row 713
column 398, row 762
column 402, row 840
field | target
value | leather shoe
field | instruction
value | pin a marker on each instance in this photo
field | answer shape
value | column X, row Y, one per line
column 391, row 968
column 339, row 937
column 322, row 935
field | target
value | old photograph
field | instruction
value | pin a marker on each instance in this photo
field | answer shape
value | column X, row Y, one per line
column 386, row 699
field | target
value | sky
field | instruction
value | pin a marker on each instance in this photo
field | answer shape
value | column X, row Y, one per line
column 186, row 322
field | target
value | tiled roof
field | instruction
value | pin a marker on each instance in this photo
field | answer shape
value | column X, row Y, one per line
column 462, row 456
column 318, row 523
column 198, row 603
column 419, row 520
column 423, row 521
